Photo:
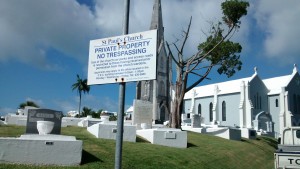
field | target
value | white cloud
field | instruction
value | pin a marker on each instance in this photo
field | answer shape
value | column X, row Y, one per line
column 280, row 22
column 28, row 29
column 66, row 105
column 4, row 111
column 97, row 103
column 177, row 15
column 87, row 100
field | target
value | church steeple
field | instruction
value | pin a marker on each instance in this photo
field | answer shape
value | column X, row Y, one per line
column 157, row 22
column 157, row 91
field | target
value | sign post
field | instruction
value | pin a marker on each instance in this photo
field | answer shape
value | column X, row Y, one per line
column 122, row 86
column 121, row 59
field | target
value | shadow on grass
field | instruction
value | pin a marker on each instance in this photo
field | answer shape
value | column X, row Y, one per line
column 88, row 158
column 267, row 140
column 190, row 145
column 271, row 141
column 141, row 140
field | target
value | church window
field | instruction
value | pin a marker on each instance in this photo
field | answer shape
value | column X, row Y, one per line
column 295, row 103
column 254, row 102
column 257, row 101
column 210, row 112
column 260, row 102
column 162, row 62
column 223, row 111
column 199, row 109
column 276, row 102
column 298, row 100
column 162, row 88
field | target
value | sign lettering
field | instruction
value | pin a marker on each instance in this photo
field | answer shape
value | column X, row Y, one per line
column 124, row 58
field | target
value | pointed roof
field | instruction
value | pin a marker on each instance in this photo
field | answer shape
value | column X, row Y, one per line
column 156, row 21
column 232, row 86
column 275, row 84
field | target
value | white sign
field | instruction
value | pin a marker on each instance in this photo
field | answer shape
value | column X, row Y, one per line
column 287, row 160
column 124, row 58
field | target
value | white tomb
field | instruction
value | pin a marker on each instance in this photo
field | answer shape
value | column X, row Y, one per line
column 38, row 146
column 85, row 121
column 41, row 150
column 108, row 130
column 165, row 136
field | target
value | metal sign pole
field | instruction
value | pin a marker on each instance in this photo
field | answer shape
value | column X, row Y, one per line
column 122, row 86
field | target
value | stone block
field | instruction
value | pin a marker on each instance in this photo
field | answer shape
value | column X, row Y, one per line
column 41, row 150
column 165, row 136
column 225, row 132
column 109, row 131
column 248, row 133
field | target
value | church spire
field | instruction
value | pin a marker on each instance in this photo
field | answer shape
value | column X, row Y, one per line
column 157, row 22
column 295, row 70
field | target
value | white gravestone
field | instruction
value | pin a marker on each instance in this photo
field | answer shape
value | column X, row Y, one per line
column 196, row 121
column 142, row 113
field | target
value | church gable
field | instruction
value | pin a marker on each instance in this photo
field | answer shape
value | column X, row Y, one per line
column 258, row 94
column 293, row 89
column 294, row 83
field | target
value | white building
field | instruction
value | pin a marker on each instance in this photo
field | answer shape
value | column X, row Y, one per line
column 267, row 105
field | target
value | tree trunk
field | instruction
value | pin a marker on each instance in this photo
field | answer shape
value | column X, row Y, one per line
column 181, row 81
column 79, row 107
column 176, row 114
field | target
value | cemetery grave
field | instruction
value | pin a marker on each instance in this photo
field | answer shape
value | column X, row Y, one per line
column 42, row 144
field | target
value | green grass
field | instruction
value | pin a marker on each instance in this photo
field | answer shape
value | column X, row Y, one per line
column 203, row 152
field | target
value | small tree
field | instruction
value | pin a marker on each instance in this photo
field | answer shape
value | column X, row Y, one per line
column 86, row 111
column 28, row 103
column 217, row 51
column 80, row 86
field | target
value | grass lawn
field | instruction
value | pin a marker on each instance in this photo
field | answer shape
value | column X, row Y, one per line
column 203, row 152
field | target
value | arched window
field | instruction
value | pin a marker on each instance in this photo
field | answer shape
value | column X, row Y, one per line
column 199, row 109
column 295, row 103
column 254, row 102
column 298, row 104
column 162, row 62
column 223, row 111
column 162, row 88
column 210, row 112
column 259, row 102
column 276, row 102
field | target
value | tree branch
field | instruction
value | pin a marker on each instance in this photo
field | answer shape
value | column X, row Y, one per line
column 186, row 35
column 170, row 53
column 200, row 80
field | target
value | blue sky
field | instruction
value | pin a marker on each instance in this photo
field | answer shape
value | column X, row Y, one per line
column 44, row 44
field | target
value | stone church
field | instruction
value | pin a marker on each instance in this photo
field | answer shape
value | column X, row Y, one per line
column 158, row 91
column 265, row 105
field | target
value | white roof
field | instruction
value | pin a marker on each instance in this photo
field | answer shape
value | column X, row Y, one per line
column 275, row 84
column 233, row 86
column 130, row 109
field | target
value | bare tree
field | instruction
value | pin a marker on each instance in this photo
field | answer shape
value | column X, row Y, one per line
column 217, row 51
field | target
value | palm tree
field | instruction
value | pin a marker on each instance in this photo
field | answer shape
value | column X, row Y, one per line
column 81, row 86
